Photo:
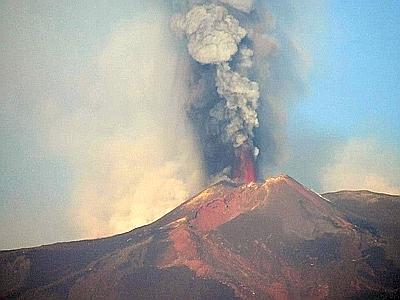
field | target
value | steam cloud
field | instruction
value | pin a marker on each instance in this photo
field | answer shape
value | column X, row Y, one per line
column 223, row 40
column 213, row 38
column 140, row 116
column 208, row 93
column 241, row 100
column 129, row 138
column 243, row 5
column 362, row 164
column 213, row 34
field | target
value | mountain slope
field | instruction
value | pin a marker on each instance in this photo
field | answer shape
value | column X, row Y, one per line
column 270, row 240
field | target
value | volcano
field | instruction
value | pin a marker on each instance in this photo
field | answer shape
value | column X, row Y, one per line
column 269, row 240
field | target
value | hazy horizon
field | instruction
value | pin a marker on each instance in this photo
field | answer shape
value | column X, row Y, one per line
column 94, row 135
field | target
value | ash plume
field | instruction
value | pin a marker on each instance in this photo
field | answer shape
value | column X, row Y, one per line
column 234, row 73
column 240, row 100
column 213, row 34
column 135, row 123
column 206, row 104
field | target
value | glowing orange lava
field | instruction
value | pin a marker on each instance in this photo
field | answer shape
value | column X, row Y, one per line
column 245, row 167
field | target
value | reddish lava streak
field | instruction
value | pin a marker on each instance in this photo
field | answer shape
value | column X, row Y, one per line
column 265, row 240
column 216, row 238
column 245, row 170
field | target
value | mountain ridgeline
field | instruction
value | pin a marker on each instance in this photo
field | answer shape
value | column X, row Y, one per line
column 270, row 240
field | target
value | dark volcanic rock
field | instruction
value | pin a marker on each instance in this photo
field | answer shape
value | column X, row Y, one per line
column 270, row 240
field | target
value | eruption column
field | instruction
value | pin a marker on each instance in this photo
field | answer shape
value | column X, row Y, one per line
column 215, row 37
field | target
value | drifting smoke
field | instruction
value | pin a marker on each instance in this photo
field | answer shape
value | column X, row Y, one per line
column 207, row 102
column 223, row 39
column 239, row 106
column 139, row 119
column 362, row 164
column 129, row 141
column 218, row 87
column 243, row 5
column 213, row 34
column 213, row 37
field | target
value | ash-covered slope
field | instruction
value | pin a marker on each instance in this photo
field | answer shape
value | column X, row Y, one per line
column 270, row 240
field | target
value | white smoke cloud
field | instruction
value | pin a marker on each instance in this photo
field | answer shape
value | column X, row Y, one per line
column 243, row 5
column 213, row 38
column 362, row 164
column 241, row 96
column 245, row 59
column 128, row 140
column 93, row 128
column 131, row 182
column 212, row 32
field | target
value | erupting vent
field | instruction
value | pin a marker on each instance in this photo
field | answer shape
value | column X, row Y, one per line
column 245, row 165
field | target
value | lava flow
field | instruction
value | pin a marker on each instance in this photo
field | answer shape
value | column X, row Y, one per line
column 274, row 239
column 245, row 171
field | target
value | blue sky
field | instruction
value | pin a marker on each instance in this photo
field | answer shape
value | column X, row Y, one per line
column 344, row 132
column 353, row 88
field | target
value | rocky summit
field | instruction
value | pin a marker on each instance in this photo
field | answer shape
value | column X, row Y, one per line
column 270, row 240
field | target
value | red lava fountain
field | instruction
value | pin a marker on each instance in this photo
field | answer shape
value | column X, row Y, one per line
column 245, row 166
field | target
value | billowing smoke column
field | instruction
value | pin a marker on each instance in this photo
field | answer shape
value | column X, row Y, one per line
column 227, row 117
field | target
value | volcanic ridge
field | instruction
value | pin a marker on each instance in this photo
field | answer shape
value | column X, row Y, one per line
column 269, row 240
